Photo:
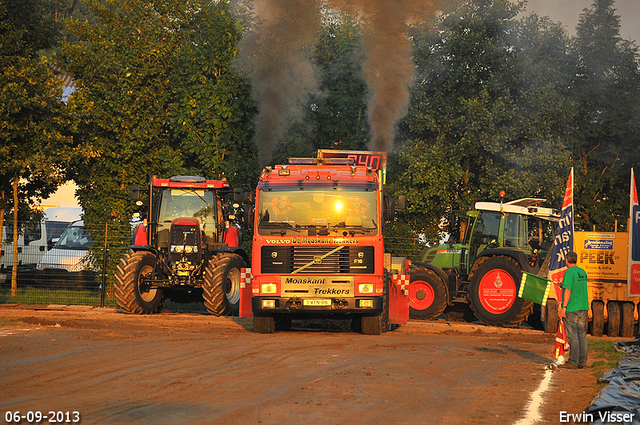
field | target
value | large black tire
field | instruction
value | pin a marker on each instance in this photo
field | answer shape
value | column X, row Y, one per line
column 372, row 325
column 613, row 323
column 550, row 319
column 597, row 321
column 626, row 319
column 227, row 271
column 427, row 294
column 133, row 296
column 213, row 289
column 264, row 324
column 493, row 293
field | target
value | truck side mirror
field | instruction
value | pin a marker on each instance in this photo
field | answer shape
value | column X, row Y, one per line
column 238, row 194
column 135, row 193
column 402, row 203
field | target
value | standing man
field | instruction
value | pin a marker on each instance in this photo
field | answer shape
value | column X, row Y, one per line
column 574, row 310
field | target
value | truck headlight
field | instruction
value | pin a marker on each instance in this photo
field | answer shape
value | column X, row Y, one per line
column 39, row 266
column 365, row 288
column 269, row 288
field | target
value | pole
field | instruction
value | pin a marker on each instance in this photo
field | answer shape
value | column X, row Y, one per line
column 104, row 266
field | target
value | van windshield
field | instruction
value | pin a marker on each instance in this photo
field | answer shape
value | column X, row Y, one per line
column 74, row 237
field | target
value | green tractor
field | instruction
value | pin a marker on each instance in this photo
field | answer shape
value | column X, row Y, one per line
column 483, row 272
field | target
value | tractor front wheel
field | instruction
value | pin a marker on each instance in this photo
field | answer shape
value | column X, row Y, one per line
column 132, row 284
column 427, row 294
column 227, row 270
column 213, row 289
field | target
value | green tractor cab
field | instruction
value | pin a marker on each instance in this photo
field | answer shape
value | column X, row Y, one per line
column 483, row 271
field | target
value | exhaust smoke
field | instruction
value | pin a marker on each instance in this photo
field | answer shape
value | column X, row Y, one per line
column 282, row 75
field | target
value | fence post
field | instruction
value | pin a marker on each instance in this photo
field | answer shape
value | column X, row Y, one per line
column 104, row 266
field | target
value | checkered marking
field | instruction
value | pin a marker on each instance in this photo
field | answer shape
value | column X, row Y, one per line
column 245, row 277
column 402, row 280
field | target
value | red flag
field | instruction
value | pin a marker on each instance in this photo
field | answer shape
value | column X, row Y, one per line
column 562, row 345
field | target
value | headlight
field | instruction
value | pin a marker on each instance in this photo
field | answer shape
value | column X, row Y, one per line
column 365, row 288
column 269, row 288
column 187, row 249
column 39, row 266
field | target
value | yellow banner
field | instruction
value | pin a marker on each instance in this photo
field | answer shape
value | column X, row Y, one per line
column 602, row 255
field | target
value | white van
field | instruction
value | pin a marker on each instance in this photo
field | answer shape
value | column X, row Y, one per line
column 35, row 240
column 67, row 264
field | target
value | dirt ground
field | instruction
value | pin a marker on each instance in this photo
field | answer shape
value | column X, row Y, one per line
column 194, row 368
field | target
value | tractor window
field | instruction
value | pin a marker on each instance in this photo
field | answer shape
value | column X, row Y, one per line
column 515, row 232
column 485, row 231
column 541, row 234
column 177, row 203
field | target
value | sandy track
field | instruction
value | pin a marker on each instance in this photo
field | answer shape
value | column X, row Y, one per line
column 190, row 368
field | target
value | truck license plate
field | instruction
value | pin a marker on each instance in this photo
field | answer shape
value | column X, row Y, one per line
column 321, row 302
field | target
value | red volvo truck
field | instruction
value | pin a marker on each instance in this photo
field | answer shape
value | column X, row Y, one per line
column 318, row 246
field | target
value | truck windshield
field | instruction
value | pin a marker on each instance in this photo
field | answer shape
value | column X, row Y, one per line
column 74, row 237
column 176, row 203
column 318, row 210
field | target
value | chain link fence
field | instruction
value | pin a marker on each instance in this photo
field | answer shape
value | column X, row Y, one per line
column 73, row 267
column 76, row 265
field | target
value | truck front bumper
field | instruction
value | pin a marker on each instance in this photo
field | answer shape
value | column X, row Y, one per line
column 266, row 306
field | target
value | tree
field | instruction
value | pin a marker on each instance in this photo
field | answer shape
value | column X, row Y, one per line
column 157, row 97
column 34, row 122
column 607, row 91
column 485, row 114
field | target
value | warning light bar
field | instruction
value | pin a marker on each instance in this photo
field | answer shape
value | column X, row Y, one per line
column 320, row 161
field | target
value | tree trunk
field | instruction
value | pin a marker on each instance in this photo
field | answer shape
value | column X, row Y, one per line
column 14, row 269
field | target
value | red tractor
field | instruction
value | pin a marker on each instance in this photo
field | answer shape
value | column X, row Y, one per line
column 187, row 248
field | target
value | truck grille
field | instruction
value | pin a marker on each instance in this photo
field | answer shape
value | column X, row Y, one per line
column 287, row 259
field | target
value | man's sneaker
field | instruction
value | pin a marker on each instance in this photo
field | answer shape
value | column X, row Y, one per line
column 582, row 366
column 567, row 365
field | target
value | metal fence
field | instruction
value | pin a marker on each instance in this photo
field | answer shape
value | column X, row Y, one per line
column 76, row 266
column 73, row 267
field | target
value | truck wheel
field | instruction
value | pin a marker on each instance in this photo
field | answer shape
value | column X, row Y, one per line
column 133, row 295
column 213, row 289
column 613, row 324
column 264, row 324
column 493, row 293
column 597, row 322
column 227, row 270
column 550, row 319
column 372, row 325
column 626, row 319
column 427, row 294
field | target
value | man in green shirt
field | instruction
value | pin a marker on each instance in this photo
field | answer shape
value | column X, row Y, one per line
column 574, row 310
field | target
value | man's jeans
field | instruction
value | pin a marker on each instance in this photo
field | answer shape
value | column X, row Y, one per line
column 575, row 324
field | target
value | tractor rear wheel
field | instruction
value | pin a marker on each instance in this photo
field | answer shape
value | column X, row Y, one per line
column 493, row 293
column 133, row 293
column 213, row 289
column 227, row 271
column 427, row 294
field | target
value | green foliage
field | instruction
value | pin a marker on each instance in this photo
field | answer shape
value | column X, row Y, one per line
column 607, row 91
column 487, row 114
column 34, row 123
column 157, row 97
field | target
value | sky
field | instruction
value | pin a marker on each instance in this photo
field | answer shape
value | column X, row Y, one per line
column 568, row 11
